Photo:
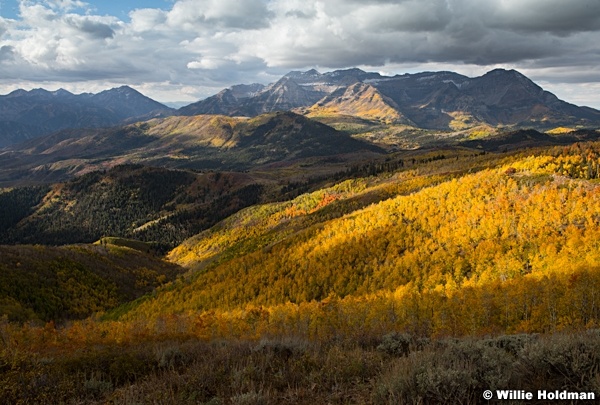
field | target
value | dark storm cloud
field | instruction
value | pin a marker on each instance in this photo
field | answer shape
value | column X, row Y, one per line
column 407, row 16
column 6, row 53
column 93, row 28
column 554, row 16
column 458, row 31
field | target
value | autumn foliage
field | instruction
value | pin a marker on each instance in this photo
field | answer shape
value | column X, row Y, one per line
column 477, row 245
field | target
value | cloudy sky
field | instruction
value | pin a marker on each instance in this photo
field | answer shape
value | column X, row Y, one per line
column 186, row 50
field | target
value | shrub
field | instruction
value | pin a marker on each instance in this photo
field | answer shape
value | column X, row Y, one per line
column 396, row 344
column 249, row 398
column 562, row 362
column 455, row 374
column 512, row 343
column 170, row 357
column 284, row 347
column 97, row 388
column 401, row 344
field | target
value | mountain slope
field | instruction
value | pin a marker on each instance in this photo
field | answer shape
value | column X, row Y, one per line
column 283, row 95
column 500, row 97
column 295, row 89
column 199, row 142
column 129, row 104
column 454, row 226
column 55, row 284
column 238, row 143
column 507, row 97
column 226, row 102
column 358, row 100
column 30, row 114
column 159, row 206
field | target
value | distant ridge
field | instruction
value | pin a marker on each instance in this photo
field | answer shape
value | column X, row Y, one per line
column 202, row 142
column 29, row 114
column 225, row 102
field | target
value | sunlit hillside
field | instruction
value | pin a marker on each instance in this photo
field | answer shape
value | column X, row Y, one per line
column 409, row 216
column 352, row 293
column 443, row 231
column 359, row 100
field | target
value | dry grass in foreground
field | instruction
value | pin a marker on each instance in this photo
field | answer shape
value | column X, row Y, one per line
column 396, row 369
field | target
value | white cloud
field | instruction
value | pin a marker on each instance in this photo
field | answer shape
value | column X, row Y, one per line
column 147, row 19
column 211, row 44
column 3, row 26
column 205, row 64
column 202, row 15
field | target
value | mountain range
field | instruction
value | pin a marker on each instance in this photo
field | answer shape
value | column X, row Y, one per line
column 351, row 114
column 438, row 101
column 29, row 114
column 429, row 100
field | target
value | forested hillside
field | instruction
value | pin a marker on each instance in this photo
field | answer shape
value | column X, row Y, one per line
column 40, row 283
column 361, row 291
column 444, row 231
column 149, row 204
column 205, row 142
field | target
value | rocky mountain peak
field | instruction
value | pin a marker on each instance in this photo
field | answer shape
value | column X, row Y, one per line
column 308, row 75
